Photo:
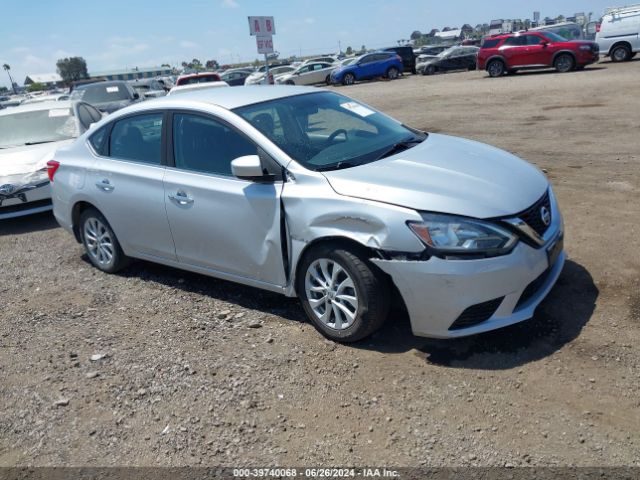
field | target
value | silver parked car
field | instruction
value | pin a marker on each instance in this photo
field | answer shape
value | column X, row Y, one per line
column 308, row 74
column 29, row 136
column 312, row 194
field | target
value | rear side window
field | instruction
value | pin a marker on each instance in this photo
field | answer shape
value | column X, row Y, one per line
column 202, row 144
column 98, row 141
column 516, row 41
column 138, row 138
column 491, row 43
column 533, row 40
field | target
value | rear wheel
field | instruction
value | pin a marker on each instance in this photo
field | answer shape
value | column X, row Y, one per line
column 290, row 82
column 100, row 243
column 496, row 68
column 348, row 79
column 393, row 73
column 621, row 53
column 564, row 63
column 430, row 70
column 327, row 80
column 343, row 295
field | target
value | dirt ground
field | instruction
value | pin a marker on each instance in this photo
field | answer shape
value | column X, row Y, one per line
column 198, row 371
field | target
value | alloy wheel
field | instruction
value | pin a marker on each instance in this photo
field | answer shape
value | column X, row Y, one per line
column 98, row 241
column 331, row 294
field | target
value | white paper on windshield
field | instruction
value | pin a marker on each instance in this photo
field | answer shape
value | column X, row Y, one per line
column 59, row 112
column 112, row 89
column 357, row 109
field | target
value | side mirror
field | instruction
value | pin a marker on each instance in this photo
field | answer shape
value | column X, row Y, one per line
column 248, row 167
column 545, row 44
column 136, row 96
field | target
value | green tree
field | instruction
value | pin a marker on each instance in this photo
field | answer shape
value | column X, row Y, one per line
column 349, row 51
column 212, row 65
column 7, row 68
column 3, row 89
column 72, row 69
column 35, row 87
column 416, row 34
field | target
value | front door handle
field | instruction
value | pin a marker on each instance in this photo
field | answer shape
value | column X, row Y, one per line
column 105, row 185
column 181, row 198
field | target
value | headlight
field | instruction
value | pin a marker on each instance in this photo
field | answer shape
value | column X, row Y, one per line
column 452, row 235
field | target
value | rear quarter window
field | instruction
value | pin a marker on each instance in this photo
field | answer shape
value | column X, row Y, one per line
column 491, row 43
column 98, row 141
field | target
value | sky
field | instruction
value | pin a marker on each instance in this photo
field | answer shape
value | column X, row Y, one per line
column 114, row 34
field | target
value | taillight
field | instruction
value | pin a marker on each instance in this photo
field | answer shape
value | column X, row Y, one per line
column 52, row 168
column 598, row 27
column 271, row 81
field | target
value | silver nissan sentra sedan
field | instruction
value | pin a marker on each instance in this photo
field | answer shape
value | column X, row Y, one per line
column 312, row 194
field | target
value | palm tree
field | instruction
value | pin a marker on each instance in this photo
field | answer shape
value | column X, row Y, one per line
column 7, row 68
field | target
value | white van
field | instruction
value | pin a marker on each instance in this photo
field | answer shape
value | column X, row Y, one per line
column 619, row 36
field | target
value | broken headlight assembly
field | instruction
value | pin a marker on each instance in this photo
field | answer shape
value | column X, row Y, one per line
column 450, row 236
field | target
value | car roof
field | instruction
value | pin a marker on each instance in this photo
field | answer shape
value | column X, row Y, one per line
column 229, row 98
column 33, row 107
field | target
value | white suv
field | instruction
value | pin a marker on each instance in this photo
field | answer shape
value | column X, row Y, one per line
column 619, row 34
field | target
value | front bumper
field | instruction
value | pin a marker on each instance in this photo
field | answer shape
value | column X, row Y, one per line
column 26, row 201
column 439, row 293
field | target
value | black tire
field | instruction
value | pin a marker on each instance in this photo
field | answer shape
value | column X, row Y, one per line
column 327, row 80
column 430, row 70
column 371, row 291
column 393, row 73
column 289, row 82
column 348, row 79
column 564, row 63
column 496, row 68
column 89, row 221
column 620, row 53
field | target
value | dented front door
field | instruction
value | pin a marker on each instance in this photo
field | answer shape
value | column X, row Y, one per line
column 226, row 224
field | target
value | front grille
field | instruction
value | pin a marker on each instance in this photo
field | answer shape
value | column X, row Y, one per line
column 21, row 207
column 533, row 288
column 476, row 314
column 532, row 217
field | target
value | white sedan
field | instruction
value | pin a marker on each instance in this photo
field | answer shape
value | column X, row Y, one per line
column 29, row 136
column 309, row 74
column 260, row 78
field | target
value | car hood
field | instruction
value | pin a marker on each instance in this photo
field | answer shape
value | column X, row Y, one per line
column 20, row 165
column 448, row 175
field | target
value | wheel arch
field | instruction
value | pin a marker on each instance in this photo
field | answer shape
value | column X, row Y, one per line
column 79, row 207
column 336, row 241
column 495, row 57
column 621, row 43
column 563, row 52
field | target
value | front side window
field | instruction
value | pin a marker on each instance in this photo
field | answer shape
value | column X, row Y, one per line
column 533, row 40
column 324, row 131
column 490, row 43
column 202, row 144
column 138, row 138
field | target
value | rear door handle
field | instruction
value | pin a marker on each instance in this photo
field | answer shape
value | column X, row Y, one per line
column 181, row 198
column 105, row 185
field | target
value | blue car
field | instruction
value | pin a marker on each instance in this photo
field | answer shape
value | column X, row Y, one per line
column 370, row 65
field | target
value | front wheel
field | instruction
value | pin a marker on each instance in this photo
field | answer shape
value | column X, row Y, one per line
column 564, row 63
column 343, row 295
column 289, row 82
column 393, row 73
column 100, row 243
column 430, row 70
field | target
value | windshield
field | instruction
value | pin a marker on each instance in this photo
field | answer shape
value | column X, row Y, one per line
column 554, row 37
column 325, row 131
column 100, row 93
column 38, row 126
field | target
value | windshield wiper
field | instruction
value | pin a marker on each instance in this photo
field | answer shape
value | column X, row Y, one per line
column 338, row 166
column 40, row 141
column 401, row 146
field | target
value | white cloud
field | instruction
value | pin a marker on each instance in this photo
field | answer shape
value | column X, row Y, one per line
column 229, row 4
column 188, row 44
column 310, row 20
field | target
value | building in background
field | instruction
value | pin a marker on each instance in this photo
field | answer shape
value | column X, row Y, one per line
column 48, row 80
